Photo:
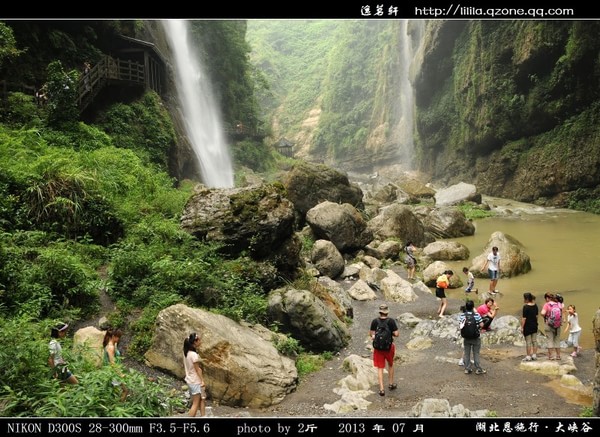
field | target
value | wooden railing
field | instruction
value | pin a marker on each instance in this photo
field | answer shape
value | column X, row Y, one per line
column 104, row 72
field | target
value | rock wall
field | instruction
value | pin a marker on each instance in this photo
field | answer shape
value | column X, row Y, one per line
column 511, row 107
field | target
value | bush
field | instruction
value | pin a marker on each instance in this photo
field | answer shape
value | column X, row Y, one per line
column 474, row 212
column 253, row 155
column 62, row 95
column 309, row 363
column 43, row 281
column 22, row 110
column 143, row 126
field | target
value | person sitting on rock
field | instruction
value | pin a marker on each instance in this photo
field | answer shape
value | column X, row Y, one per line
column 488, row 311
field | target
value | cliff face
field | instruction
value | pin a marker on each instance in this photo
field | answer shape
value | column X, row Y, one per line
column 512, row 107
column 507, row 105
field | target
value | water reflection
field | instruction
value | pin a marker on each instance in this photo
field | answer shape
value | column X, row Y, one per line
column 562, row 246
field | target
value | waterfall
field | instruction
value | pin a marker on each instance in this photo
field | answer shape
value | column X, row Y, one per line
column 201, row 115
column 411, row 33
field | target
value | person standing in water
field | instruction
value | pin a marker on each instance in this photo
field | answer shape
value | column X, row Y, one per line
column 492, row 263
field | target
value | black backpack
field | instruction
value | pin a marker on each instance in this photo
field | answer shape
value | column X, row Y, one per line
column 469, row 327
column 383, row 336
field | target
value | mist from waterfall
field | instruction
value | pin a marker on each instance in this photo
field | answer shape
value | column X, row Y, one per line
column 410, row 45
column 200, row 113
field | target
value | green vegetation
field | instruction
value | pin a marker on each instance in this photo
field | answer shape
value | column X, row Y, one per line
column 491, row 98
column 308, row 363
column 333, row 66
column 66, row 212
column 29, row 390
column 89, row 205
column 288, row 346
column 473, row 211
column 8, row 44
column 144, row 126
column 512, row 107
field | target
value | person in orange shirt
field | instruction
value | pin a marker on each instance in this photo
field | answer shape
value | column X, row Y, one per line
column 442, row 282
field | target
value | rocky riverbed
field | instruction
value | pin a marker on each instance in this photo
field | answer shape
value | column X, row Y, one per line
column 508, row 389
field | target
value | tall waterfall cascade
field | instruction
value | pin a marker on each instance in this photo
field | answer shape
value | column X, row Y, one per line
column 411, row 37
column 201, row 115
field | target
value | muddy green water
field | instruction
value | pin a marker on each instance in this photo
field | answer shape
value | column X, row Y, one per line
column 563, row 247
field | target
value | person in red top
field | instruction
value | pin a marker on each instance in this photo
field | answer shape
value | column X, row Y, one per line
column 488, row 311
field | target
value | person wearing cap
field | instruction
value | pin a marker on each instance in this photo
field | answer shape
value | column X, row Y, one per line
column 381, row 356
column 56, row 361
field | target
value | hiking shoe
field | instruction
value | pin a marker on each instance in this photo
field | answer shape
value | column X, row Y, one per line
column 468, row 371
column 461, row 362
column 381, row 392
column 533, row 357
column 480, row 371
column 527, row 358
column 393, row 386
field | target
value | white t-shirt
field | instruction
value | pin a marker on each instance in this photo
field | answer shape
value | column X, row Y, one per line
column 493, row 260
column 573, row 319
column 470, row 279
column 191, row 376
column 56, row 352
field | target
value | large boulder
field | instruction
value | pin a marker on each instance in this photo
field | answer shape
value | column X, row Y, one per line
column 398, row 221
column 435, row 269
column 241, row 367
column 257, row 220
column 304, row 316
column 513, row 259
column 309, row 184
column 342, row 224
column 446, row 251
column 456, row 194
column 445, row 222
column 327, row 259
column 87, row 342
column 396, row 289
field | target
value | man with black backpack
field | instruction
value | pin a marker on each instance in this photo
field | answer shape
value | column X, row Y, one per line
column 382, row 331
column 470, row 323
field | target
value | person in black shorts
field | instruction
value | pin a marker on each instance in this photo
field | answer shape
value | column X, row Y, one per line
column 442, row 282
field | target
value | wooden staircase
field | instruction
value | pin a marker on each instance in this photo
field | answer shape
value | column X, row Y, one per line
column 106, row 72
